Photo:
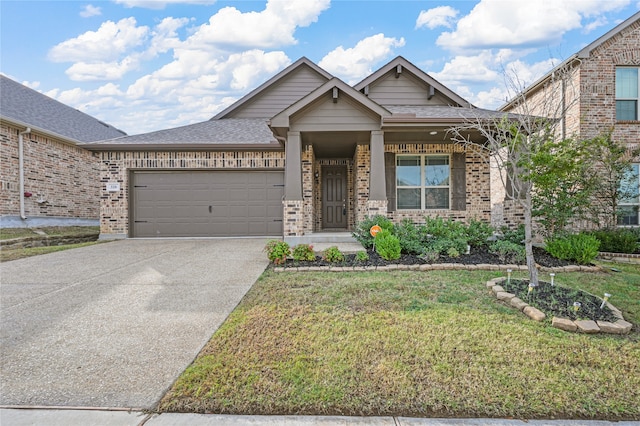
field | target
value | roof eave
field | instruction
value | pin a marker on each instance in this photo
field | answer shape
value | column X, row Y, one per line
column 61, row 138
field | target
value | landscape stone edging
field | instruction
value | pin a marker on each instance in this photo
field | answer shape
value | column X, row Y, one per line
column 435, row 267
column 585, row 326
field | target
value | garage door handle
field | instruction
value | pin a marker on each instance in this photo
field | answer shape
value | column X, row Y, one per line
column 210, row 209
column 140, row 221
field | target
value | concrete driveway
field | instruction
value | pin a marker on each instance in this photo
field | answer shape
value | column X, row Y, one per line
column 113, row 325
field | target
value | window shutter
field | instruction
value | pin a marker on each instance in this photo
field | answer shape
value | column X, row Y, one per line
column 459, row 182
column 390, row 177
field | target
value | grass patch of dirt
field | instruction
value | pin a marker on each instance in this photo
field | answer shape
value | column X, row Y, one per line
column 9, row 233
column 408, row 343
column 8, row 253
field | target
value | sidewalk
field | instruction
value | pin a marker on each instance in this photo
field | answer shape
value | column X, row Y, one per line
column 60, row 417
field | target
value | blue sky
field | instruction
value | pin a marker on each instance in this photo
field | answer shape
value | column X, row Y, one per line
column 144, row 65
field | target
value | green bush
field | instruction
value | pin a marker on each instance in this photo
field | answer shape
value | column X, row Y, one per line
column 277, row 251
column 478, row 232
column 443, row 246
column 362, row 232
column 362, row 256
column 333, row 255
column 412, row 237
column 581, row 248
column 508, row 251
column 387, row 245
column 617, row 240
column 514, row 235
column 303, row 252
column 439, row 228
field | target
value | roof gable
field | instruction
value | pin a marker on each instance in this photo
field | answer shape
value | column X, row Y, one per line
column 25, row 106
column 279, row 92
column 400, row 73
column 337, row 88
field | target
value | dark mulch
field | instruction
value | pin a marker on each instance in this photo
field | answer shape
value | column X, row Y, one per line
column 477, row 256
column 559, row 301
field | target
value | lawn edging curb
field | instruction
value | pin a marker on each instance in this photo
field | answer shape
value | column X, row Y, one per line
column 435, row 267
column 582, row 326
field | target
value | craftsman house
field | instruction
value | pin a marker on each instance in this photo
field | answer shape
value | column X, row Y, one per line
column 46, row 178
column 302, row 154
column 601, row 93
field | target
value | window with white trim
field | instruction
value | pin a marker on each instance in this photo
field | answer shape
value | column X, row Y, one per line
column 629, row 205
column 627, row 94
column 422, row 182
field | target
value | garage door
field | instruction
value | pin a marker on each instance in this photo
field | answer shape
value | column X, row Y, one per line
column 207, row 203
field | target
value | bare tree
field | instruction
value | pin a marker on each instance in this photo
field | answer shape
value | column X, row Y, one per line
column 513, row 139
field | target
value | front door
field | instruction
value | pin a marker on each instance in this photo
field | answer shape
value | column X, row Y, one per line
column 334, row 197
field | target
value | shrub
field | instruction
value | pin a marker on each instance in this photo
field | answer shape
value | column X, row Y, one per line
column 277, row 251
column 442, row 246
column 362, row 256
column 617, row 240
column 387, row 245
column 453, row 252
column 333, row 255
column 508, row 251
column 448, row 229
column 478, row 232
column 581, row 248
column 303, row 252
column 362, row 234
column 412, row 237
column 516, row 236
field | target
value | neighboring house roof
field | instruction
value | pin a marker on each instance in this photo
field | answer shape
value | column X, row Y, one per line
column 426, row 78
column 260, row 89
column 26, row 107
column 576, row 57
column 240, row 133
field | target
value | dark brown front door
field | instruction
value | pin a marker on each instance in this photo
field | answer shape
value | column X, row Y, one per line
column 334, row 197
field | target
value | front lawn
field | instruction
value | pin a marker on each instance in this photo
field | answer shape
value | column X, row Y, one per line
column 408, row 343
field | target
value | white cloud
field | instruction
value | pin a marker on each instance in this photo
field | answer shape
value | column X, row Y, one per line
column 598, row 22
column 441, row 16
column 82, row 71
column 274, row 26
column 355, row 63
column 160, row 4
column 90, row 10
column 106, row 44
column 498, row 23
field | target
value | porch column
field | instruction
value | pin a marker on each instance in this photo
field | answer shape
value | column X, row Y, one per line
column 293, row 167
column 293, row 205
column 377, row 203
column 377, row 185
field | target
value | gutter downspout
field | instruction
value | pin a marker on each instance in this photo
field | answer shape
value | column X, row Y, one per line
column 21, row 169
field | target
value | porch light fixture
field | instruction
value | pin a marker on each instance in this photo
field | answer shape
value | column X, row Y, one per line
column 316, row 175
column 433, row 133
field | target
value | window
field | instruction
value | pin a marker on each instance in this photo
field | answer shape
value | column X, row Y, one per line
column 422, row 182
column 627, row 94
column 629, row 204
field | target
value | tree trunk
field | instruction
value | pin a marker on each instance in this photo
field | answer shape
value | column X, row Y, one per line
column 528, row 240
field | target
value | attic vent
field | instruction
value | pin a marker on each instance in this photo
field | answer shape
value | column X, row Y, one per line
column 398, row 71
column 432, row 92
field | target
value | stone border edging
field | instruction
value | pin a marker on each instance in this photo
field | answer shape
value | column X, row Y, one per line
column 435, row 267
column 584, row 326
column 46, row 241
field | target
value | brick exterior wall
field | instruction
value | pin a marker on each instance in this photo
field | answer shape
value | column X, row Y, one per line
column 116, row 168
column 595, row 112
column 477, row 178
column 60, row 175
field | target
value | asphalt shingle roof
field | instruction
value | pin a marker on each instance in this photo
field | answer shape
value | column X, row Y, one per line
column 27, row 106
column 224, row 131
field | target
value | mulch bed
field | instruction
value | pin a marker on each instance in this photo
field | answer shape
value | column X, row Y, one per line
column 477, row 256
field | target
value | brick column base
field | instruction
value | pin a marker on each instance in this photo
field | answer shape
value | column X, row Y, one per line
column 293, row 215
column 377, row 207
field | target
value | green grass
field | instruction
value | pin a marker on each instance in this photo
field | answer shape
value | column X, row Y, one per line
column 14, row 254
column 410, row 343
column 9, row 233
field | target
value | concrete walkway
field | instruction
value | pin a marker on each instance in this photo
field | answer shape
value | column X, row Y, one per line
column 12, row 417
column 114, row 324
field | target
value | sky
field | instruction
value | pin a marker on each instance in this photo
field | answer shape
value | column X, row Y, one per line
column 146, row 65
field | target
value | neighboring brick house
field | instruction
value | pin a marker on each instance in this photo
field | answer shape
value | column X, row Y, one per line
column 59, row 179
column 301, row 154
column 601, row 93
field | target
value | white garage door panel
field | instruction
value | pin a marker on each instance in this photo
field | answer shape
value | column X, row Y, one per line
column 207, row 204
